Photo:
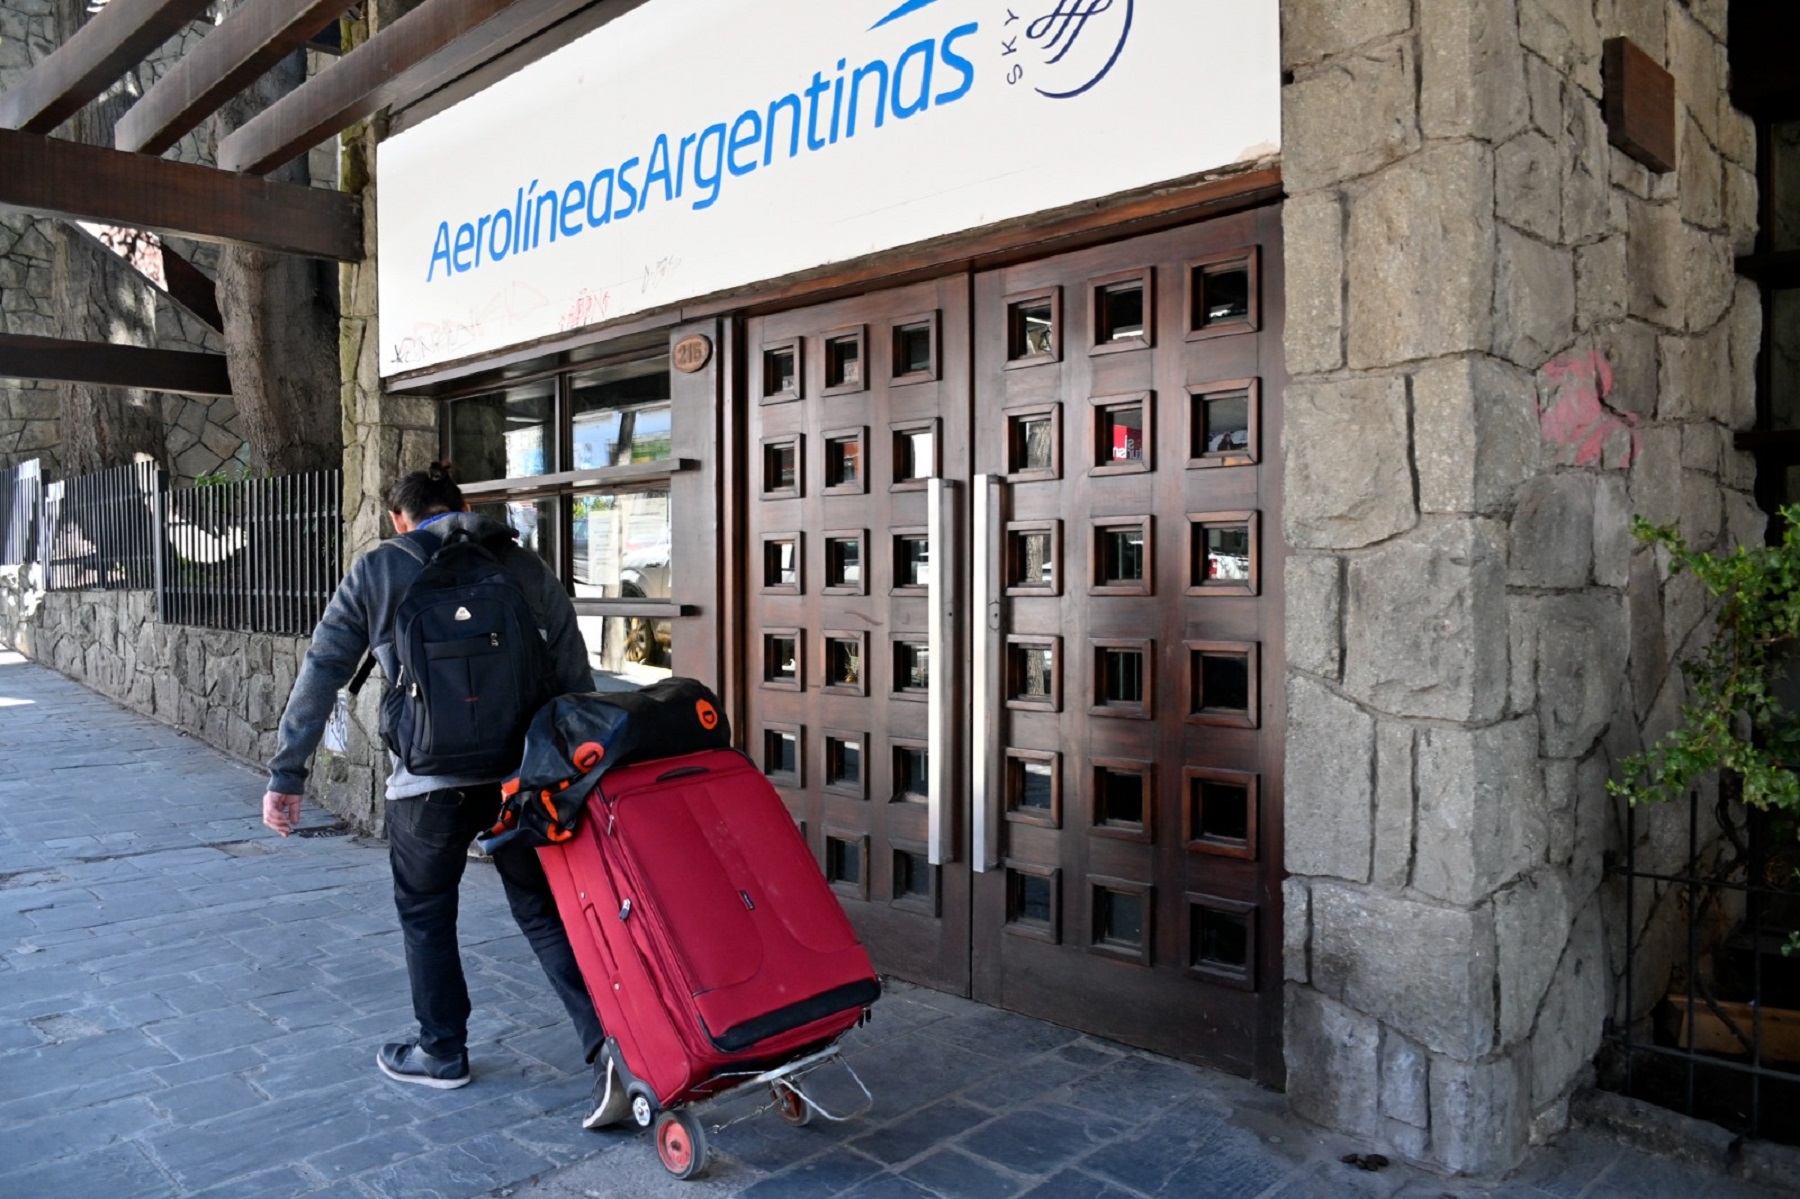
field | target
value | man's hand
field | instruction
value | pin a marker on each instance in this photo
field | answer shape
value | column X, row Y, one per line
column 281, row 812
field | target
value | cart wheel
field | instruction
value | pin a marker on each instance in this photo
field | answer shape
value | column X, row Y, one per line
column 643, row 1112
column 790, row 1105
column 681, row 1144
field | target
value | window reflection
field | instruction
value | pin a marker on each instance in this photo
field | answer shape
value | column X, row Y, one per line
column 622, row 414
column 503, row 435
column 533, row 522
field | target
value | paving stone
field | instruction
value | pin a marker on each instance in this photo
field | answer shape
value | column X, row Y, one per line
column 115, row 1170
column 1072, row 1184
column 957, row 1175
column 826, row 1175
column 921, row 1130
column 1039, row 1140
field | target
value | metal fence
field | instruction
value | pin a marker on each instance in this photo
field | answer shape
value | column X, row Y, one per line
column 21, row 500
column 1723, row 1043
column 99, row 530
column 259, row 555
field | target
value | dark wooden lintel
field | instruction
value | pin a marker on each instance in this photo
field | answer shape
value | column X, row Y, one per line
column 54, row 177
column 252, row 38
column 427, row 48
column 55, row 360
column 113, row 41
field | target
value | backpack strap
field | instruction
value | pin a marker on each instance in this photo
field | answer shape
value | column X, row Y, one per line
column 362, row 672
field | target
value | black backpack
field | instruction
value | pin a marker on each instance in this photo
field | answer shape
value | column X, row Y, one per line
column 473, row 665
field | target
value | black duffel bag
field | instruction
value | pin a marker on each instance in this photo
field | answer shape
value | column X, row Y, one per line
column 576, row 738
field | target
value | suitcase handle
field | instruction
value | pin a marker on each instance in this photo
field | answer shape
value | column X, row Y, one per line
column 680, row 772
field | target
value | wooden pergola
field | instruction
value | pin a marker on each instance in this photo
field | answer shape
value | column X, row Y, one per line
column 130, row 185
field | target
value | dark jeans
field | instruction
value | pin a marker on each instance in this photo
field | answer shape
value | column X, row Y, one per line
column 428, row 843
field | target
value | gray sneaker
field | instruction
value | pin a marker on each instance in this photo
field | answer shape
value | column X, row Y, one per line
column 404, row 1061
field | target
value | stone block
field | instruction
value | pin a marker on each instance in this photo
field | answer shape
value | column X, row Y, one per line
column 1406, row 1140
column 1697, row 60
column 1581, row 657
column 1412, row 965
column 1531, row 926
column 1315, row 29
column 1572, row 1016
column 1349, row 464
column 1528, row 184
column 1315, row 608
column 1700, row 177
column 1481, row 818
column 1712, row 277
column 1338, row 1080
column 1475, row 434
column 1350, row 116
column 1472, row 71
column 1587, row 207
column 1745, row 339
column 1436, row 297
column 1653, row 493
column 1702, row 519
column 1553, row 532
column 1593, row 810
column 1600, row 282
column 1313, row 254
column 1703, row 448
column 1329, row 783
column 1534, row 299
column 1521, row 639
column 1654, row 261
column 1566, row 35
column 1480, row 1114
column 1425, row 624
column 1296, row 929
column 1393, row 804
column 1613, row 539
column 1405, row 1078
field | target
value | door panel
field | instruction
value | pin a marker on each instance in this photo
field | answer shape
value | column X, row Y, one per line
column 1127, row 402
column 1090, row 692
column 854, row 408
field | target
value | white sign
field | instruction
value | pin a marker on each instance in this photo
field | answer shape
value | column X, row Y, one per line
column 694, row 146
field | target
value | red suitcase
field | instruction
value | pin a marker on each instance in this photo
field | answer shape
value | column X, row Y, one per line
column 710, row 942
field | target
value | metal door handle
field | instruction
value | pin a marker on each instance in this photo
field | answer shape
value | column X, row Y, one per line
column 940, row 513
column 984, row 588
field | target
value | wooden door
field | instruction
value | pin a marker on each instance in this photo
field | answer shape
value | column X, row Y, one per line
column 857, row 422
column 1127, row 698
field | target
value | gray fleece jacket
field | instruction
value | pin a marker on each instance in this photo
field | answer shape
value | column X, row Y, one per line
column 361, row 616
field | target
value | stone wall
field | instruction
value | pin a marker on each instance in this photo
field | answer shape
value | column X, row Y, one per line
column 1506, row 339
column 203, row 433
column 225, row 688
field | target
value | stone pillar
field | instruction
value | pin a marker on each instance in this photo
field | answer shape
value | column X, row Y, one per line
column 1506, row 338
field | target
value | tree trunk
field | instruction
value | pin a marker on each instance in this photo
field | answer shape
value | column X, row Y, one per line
column 281, row 324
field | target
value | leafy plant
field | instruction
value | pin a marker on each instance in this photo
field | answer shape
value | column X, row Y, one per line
column 1735, row 719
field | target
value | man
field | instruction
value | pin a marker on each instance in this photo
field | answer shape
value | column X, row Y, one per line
column 431, row 820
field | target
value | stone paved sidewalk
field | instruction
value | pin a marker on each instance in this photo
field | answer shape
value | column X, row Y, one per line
column 190, row 1006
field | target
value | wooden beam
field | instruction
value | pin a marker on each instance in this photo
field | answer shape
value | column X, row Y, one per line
column 114, row 40
column 91, row 183
column 251, row 39
column 425, row 49
column 55, row 360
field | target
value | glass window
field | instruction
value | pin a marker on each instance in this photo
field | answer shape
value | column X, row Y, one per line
column 1784, row 184
column 621, row 544
column 627, row 652
column 1784, row 360
column 503, row 435
column 535, row 523
column 622, row 414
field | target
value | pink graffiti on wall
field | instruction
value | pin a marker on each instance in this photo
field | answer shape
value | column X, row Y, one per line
column 1573, row 416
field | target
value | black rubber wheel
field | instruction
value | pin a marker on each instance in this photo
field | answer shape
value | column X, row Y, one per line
column 790, row 1105
column 681, row 1144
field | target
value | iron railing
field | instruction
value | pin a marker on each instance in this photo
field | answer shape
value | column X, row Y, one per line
column 21, row 500
column 99, row 530
column 257, row 555
column 1723, row 1042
